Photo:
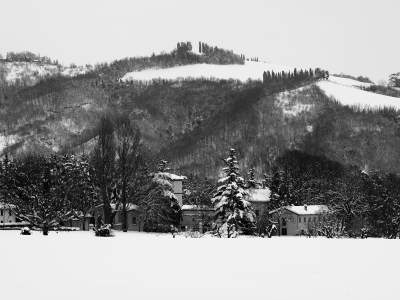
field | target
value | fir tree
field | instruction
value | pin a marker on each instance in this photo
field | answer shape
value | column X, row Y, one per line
column 232, row 210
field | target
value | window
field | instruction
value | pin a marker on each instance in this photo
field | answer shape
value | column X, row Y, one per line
column 315, row 219
column 257, row 212
column 299, row 220
column 305, row 220
column 134, row 220
column 1, row 212
column 283, row 222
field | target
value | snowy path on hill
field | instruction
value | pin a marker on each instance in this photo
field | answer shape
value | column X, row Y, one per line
column 79, row 266
column 346, row 93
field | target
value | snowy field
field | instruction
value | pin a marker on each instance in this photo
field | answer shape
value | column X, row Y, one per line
column 78, row 265
column 249, row 70
column 346, row 91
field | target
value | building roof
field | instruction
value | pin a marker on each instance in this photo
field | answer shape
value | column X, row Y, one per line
column 195, row 207
column 129, row 206
column 304, row 209
column 259, row 195
column 6, row 205
column 174, row 177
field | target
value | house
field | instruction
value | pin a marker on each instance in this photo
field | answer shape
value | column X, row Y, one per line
column 83, row 223
column 196, row 217
column 8, row 217
column 297, row 220
column 259, row 198
column 177, row 182
column 132, row 211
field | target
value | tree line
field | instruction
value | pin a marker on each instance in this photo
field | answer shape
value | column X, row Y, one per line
column 27, row 56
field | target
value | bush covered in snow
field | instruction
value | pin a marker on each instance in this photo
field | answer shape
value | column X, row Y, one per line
column 103, row 230
column 25, row 231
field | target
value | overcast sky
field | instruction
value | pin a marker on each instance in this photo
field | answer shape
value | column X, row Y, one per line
column 360, row 37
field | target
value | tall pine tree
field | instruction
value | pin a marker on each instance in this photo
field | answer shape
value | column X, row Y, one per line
column 233, row 212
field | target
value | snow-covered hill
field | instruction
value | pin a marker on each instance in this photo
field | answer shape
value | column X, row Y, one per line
column 31, row 72
column 249, row 70
column 347, row 92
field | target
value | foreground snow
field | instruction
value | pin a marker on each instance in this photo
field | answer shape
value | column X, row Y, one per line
column 77, row 265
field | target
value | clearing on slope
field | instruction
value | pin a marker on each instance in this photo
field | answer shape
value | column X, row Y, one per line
column 347, row 92
column 250, row 70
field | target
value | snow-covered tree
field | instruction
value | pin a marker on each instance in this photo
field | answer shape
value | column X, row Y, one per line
column 394, row 79
column 78, row 185
column 159, row 206
column 36, row 190
column 233, row 212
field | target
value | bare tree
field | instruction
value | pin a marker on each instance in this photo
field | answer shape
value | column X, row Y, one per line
column 128, row 162
column 104, row 164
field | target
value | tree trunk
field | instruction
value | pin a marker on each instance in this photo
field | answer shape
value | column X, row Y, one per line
column 124, row 212
column 45, row 230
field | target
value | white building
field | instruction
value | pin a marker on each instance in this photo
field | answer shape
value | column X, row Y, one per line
column 259, row 198
column 298, row 220
column 8, row 217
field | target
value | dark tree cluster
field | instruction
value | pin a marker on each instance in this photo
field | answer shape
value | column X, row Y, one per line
column 271, row 77
column 27, row 56
column 219, row 55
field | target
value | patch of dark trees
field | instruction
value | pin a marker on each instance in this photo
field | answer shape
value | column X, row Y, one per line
column 271, row 78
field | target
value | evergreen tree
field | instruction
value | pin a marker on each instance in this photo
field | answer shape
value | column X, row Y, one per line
column 232, row 210
column 159, row 206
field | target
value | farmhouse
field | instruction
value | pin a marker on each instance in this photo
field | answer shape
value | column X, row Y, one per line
column 297, row 220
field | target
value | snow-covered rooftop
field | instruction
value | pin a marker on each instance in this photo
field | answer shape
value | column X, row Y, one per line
column 259, row 195
column 195, row 207
column 308, row 209
column 305, row 209
column 6, row 205
column 173, row 177
column 129, row 206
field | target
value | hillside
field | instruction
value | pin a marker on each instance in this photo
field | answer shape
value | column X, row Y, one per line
column 191, row 112
column 30, row 73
